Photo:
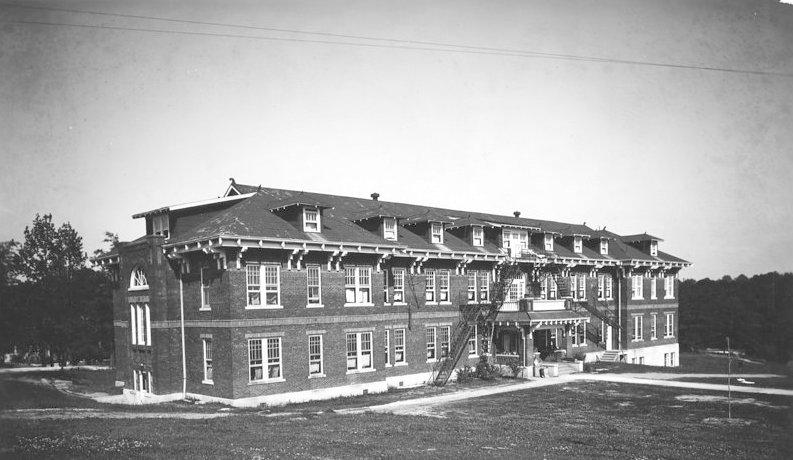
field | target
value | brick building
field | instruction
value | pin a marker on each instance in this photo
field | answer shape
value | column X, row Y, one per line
column 268, row 295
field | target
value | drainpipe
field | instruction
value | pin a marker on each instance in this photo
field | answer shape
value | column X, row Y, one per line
column 619, row 312
column 184, row 355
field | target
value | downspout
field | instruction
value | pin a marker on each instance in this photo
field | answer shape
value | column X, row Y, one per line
column 619, row 311
column 184, row 355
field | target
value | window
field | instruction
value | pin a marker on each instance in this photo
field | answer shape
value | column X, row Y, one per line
column 140, row 324
column 310, row 220
column 483, row 278
column 604, row 246
column 138, row 280
column 641, row 359
column 552, row 288
column 472, row 339
column 471, row 287
column 429, row 286
column 653, row 248
column 672, row 358
column 272, row 295
column 653, row 326
column 515, row 239
column 516, row 291
column 548, row 242
column 205, row 288
column 431, row 356
column 637, row 285
column 582, row 287
column 387, row 347
column 314, row 285
column 601, row 287
column 580, row 332
column 670, row 325
column 578, row 245
column 358, row 285
column 609, row 287
column 437, row 232
column 256, row 359
column 443, row 285
column 359, row 351
column 315, row 356
column 207, row 361
column 159, row 225
column 478, row 236
column 399, row 284
column 443, row 340
column 142, row 381
column 573, row 288
column 669, row 287
column 637, row 332
column 389, row 228
column 653, row 290
column 399, row 346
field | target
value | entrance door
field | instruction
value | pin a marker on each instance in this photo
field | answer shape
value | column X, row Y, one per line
column 609, row 340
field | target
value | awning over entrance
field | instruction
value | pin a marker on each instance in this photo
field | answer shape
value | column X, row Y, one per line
column 541, row 318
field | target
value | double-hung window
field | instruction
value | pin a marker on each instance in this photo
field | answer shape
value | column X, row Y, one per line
column 637, row 286
column 472, row 339
column 654, row 248
column 261, row 370
column 471, row 286
column 429, row 286
column 443, row 340
column 399, row 284
column 573, row 286
column 140, row 324
column 653, row 290
column 552, row 288
column 581, row 287
column 314, row 286
column 389, row 228
column 431, row 350
column 669, row 330
column 483, row 280
column 437, row 342
column 669, row 287
column 358, row 285
column 637, row 333
column 311, row 220
column 359, row 351
column 443, row 285
column 399, row 346
column 578, row 245
column 604, row 246
column 269, row 283
column 315, row 367
column 436, row 232
column 548, row 240
column 205, row 288
column 207, row 361
column 478, row 236
column 653, row 326
column 601, row 287
column 387, row 347
column 609, row 287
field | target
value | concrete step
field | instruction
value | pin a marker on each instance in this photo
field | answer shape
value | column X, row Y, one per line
column 610, row 356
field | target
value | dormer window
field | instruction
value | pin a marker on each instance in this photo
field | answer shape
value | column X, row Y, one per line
column 160, row 225
column 578, row 245
column 389, row 228
column 310, row 220
column 436, row 232
column 548, row 242
column 478, row 236
column 604, row 246
column 654, row 248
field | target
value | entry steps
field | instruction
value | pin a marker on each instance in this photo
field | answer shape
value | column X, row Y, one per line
column 610, row 356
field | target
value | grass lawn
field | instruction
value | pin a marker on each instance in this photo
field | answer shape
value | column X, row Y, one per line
column 699, row 363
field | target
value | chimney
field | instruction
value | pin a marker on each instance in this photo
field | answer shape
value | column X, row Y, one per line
column 517, row 213
column 375, row 196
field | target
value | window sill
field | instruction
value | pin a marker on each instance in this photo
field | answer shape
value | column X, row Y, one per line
column 430, row 303
column 316, row 376
column 430, row 361
column 261, row 382
column 204, row 309
column 398, row 304
column 669, row 298
column 207, row 382
column 653, row 338
column 445, row 302
column 637, row 340
column 637, row 298
column 669, row 337
column 264, row 307
column 400, row 364
column 315, row 305
column 368, row 304
column 139, row 288
column 360, row 371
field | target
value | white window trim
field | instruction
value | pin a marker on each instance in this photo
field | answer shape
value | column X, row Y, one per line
column 401, row 290
column 609, row 287
column 669, row 293
column 433, row 233
column 578, row 245
column 306, row 221
column 404, row 361
column 601, row 287
column 357, row 286
column 212, row 359
column 637, row 287
column 475, row 338
column 654, row 248
column 321, row 357
column 434, row 344
column 205, row 306
column 430, row 273
column 638, row 328
column 140, row 324
column 480, row 237
column 387, row 348
column 669, row 326
column 359, row 353
column 388, row 235
column 319, row 285
column 265, row 364
column 653, row 288
column 604, row 246
column 548, row 242
column 653, row 326
column 134, row 279
column 263, row 287
column 447, row 274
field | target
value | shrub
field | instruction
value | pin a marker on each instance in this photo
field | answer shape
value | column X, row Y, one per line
column 514, row 365
column 466, row 374
column 485, row 370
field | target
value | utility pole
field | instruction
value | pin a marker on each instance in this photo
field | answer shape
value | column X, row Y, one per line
column 729, row 373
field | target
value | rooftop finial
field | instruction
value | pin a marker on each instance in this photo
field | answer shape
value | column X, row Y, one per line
column 375, row 196
column 232, row 180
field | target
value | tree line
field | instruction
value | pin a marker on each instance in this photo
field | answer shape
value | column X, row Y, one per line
column 53, row 307
column 756, row 313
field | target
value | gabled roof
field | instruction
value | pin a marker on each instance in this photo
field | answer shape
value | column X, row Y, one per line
column 640, row 237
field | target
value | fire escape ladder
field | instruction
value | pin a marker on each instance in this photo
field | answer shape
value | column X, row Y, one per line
column 458, row 343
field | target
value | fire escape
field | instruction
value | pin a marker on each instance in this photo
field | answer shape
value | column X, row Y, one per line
column 458, row 344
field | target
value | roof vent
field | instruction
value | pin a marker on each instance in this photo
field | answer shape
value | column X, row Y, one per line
column 517, row 213
column 375, row 196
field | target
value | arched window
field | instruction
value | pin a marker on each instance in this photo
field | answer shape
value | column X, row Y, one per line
column 138, row 279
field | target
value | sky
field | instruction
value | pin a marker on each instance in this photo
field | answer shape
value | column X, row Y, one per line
column 100, row 122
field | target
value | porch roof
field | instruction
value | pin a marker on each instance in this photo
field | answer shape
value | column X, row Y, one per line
column 542, row 317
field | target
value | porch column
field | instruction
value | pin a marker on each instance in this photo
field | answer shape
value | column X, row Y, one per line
column 523, row 341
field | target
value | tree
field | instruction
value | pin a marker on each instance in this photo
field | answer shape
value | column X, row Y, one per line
column 499, row 290
column 48, row 251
